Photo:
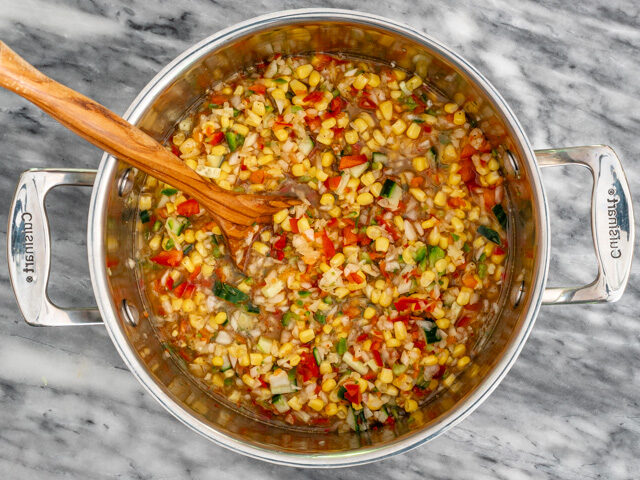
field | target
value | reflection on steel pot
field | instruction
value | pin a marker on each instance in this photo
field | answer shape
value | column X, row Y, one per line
column 178, row 87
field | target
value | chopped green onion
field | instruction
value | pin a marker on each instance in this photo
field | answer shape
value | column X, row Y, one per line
column 229, row 292
column 287, row 317
column 341, row 346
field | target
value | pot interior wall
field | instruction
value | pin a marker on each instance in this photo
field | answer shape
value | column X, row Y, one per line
column 170, row 104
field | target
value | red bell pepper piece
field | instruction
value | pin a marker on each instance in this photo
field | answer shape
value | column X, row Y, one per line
column 179, row 290
column 216, row 138
column 294, row 225
column 332, row 183
column 355, row 278
column 467, row 151
column 463, row 321
column 189, row 289
column 405, row 303
column 313, row 97
column 172, row 258
column 350, row 238
column 308, row 368
column 218, row 99
column 313, row 123
column 188, row 208
column 349, row 161
column 327, row 246
column 467, row 171
column 280, row 243
column 258, row 88
column 336, row 105
column 376, row 357
column 367, row 103
column 353, row 393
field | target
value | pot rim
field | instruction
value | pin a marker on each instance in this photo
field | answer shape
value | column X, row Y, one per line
column 97, row 224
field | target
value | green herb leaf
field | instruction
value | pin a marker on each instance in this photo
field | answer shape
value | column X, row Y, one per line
column 287, row 317
column 489, row 234
column 145, row 216
column 169, row 191
column 501, row 215
column 431, row 334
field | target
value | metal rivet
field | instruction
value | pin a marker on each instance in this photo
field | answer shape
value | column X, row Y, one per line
column 513, row 164
column 130, row 313
column 519, row 294
column 125, row 182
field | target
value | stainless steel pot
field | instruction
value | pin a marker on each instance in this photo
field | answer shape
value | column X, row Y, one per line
column 112, row 219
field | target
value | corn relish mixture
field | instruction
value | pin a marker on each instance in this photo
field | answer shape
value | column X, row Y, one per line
column 366, row 299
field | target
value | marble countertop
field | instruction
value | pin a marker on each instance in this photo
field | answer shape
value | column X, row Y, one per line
column 568, row 409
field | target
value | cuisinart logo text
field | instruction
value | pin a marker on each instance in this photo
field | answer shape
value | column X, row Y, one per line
column 27, row 232
column 614, row 227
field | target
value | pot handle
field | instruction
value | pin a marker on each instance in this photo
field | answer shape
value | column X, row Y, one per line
column 29, row 248
column 612, row 224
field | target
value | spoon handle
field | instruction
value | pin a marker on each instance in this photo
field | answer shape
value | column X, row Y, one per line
column 111, row 133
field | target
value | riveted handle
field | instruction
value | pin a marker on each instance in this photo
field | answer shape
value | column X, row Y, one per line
column 29, row 248
column 611, row 224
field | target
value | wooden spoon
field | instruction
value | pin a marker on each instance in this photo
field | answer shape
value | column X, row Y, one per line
column 238, row 215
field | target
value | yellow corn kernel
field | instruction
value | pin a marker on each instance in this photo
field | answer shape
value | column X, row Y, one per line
column 443, row 323
column 351, row 136
column 443, row 357
column 368, row 179
column 375, row 189
column 306, row 335
column 327, row 199
column 281, row 134
column 459, row 118
column 327, row 159
column 427, row 278
column 360, row 125
column 342, row 292
column 329, row 123
column 398, row 127
column 331, row 409
column 303, row 224
column 328, row 385
column 220, row 318
column 414, row 82
column 280, row 216
column 447, row 382
column 241, row 129
column 373, row 232
column 337, row 260
column 335, row 212
column 261, row 248
column 429, row 360
column 360, row 82
column 375, row 296
column 418, row 194
column 188, row 264
column 420, row 164
column 294, row 403
column 450, row 107
column 189, row 236
column 399, row 222
column 464, row 296
column 385, row 299
column 441, row 265
column 449, row 155
column 385, row 375
column 369, row 313
column 463, row 362
column 459, row 350
column 255, row 358
column 386, row 109
column 298, row 170
column 303, row 71
column 297, row 87
column 400, row 330
column 440, row 199
column 285, row 349
column 413, row 131
column 217, row 361
column 365, row 199
column 410, row 405
column 317, row 404
column 154, row 243
column 314, row 78
column 294, row 360
column 382, row 244
column 243, row 360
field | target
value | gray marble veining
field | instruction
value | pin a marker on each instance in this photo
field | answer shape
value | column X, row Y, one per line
column 568, row 409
